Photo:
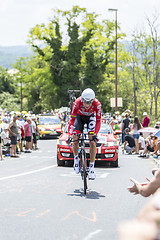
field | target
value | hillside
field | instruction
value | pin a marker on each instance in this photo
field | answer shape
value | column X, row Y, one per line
column 8, row 55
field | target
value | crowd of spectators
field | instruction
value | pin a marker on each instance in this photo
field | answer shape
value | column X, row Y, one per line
column 141, row 139
column 19, row 133
column 133, row 134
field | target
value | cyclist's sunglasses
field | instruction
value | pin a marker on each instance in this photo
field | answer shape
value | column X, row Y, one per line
column 87, row 102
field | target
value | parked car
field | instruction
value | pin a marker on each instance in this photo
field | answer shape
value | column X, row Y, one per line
column 107, row 147
column 49, row 126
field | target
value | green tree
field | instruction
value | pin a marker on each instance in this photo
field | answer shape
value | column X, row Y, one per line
column 80, row 62
column 6, row 82
column 9, row 101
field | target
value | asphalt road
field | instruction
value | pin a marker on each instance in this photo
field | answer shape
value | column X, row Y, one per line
column 41, row 201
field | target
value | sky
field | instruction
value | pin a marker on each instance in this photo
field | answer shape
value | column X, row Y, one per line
column 17, row 17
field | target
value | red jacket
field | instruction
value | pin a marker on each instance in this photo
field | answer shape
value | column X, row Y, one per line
column 146, row 121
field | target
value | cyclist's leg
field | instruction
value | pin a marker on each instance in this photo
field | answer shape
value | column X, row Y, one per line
column 75, row 145
column 78, row 128
column 93, row 149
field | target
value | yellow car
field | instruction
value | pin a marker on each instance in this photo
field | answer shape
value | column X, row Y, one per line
column 49, row 126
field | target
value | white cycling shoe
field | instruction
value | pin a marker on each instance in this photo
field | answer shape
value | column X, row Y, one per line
column 76, row 167
column 92, row 174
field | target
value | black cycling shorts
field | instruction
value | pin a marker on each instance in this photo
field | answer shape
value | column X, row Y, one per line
column 80, row 121
column 34, row 138
column 150, row 149
column 28, row 138
column 13, row 140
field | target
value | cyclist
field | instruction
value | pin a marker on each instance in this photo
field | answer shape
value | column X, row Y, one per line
column 86, row 110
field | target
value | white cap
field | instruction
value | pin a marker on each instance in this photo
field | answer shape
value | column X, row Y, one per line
column 33, row 116
column 145, row 114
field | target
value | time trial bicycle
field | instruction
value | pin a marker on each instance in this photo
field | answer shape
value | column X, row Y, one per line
column 83, row 161
column 84, row 170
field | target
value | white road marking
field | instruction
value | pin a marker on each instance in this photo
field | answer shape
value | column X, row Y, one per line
column 27, row 173
column 104, row 175
column 90, row 235
column 69, row 175
column 73, row 174
column 49, row 151
column 24, row 156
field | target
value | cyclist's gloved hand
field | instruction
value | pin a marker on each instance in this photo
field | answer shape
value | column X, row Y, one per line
column 69, row 140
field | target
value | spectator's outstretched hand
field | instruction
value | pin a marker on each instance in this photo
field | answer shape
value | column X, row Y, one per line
column 134, row 188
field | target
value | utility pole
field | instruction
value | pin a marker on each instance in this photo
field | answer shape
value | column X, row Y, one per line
column 116, row 64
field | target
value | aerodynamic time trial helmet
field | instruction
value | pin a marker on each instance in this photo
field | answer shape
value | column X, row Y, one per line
column 88, row 95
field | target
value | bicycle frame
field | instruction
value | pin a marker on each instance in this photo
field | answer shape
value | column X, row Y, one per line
column 83, row 160
column 83, row 163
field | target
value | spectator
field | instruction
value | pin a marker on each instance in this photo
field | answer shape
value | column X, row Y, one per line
column 9, row 118
column 129, row 113
column 157, row 125
column 116, row 126
column 125, row 124
column 136, row 126
column 0, row 147
column 146, row 188
column 146, row 225
column 123, row 117
column 4, row 122
column 20, row 139
column 141, row 142
column 5, row 118
column 6, row 140
column 157, row 150
column 112, row 123
column 13, row 132
column 117, row 131
column 21, row 124
column 118, row 117
column 129, row 144
column 5, row 137
column 146, row 120
column 34, row 133
column 28, row 135
column 150, row 145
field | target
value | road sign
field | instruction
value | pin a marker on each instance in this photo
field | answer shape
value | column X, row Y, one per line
column 119, row 102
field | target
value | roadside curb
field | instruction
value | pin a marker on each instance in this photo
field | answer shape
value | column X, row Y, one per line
column 157, row 162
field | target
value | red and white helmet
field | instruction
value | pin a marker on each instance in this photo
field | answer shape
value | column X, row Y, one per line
column 88, row 95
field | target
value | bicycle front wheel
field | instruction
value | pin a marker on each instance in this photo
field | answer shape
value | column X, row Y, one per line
column 84, row 171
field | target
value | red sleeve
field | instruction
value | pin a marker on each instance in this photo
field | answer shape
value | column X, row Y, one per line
column 98, row 125
column 98, row 117
column 73, row 116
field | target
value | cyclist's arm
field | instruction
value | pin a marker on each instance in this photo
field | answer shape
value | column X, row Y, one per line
column 73, row 117
column 98, row 125
column 98, row 118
